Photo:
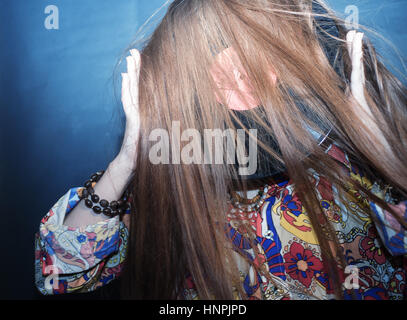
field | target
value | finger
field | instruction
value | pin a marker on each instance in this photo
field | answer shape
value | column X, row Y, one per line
column 357, row 55
column 134, row 83
column 349, row 41
column 354, row 41
column 131, row 71
column 137, row 57
column 357, row 80
column 358, row 45
column 126, row 98
column 350, row 35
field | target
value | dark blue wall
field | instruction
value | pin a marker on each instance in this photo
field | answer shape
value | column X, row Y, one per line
column 59, row 119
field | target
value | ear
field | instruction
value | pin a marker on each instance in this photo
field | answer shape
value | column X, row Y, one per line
column 233, row 81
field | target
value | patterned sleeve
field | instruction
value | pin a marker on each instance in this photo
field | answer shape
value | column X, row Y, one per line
column 77, row 259
column 391, row 232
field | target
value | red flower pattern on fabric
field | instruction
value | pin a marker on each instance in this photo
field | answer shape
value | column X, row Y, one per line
column 370, row 248
column 301, row 264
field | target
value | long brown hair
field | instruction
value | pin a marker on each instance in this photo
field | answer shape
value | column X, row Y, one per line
column 178, row 225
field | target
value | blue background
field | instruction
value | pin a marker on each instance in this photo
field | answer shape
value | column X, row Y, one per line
column 59, row 118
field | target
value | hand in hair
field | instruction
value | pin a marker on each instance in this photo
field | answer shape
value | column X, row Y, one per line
column 130, row 100
column 357, row 86
column 355, row 48
column 118, row 174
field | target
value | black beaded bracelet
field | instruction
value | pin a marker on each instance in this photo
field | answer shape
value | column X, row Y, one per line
column 93, row 201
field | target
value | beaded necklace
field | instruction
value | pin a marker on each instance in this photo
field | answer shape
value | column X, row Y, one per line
column 247, row 210
column 243, row 205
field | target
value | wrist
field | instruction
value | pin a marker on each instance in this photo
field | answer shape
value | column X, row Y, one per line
column 121, row 168
column 101, row 198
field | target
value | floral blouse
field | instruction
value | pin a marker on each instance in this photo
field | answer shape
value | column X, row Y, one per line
column 84, row 259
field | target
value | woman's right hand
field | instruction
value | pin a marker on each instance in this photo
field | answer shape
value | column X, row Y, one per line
column 130, row 101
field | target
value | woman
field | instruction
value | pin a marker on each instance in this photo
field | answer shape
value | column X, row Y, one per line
column 332, row 136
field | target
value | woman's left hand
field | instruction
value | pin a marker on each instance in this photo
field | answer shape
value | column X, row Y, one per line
column 354, row 41
column 357, row 87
